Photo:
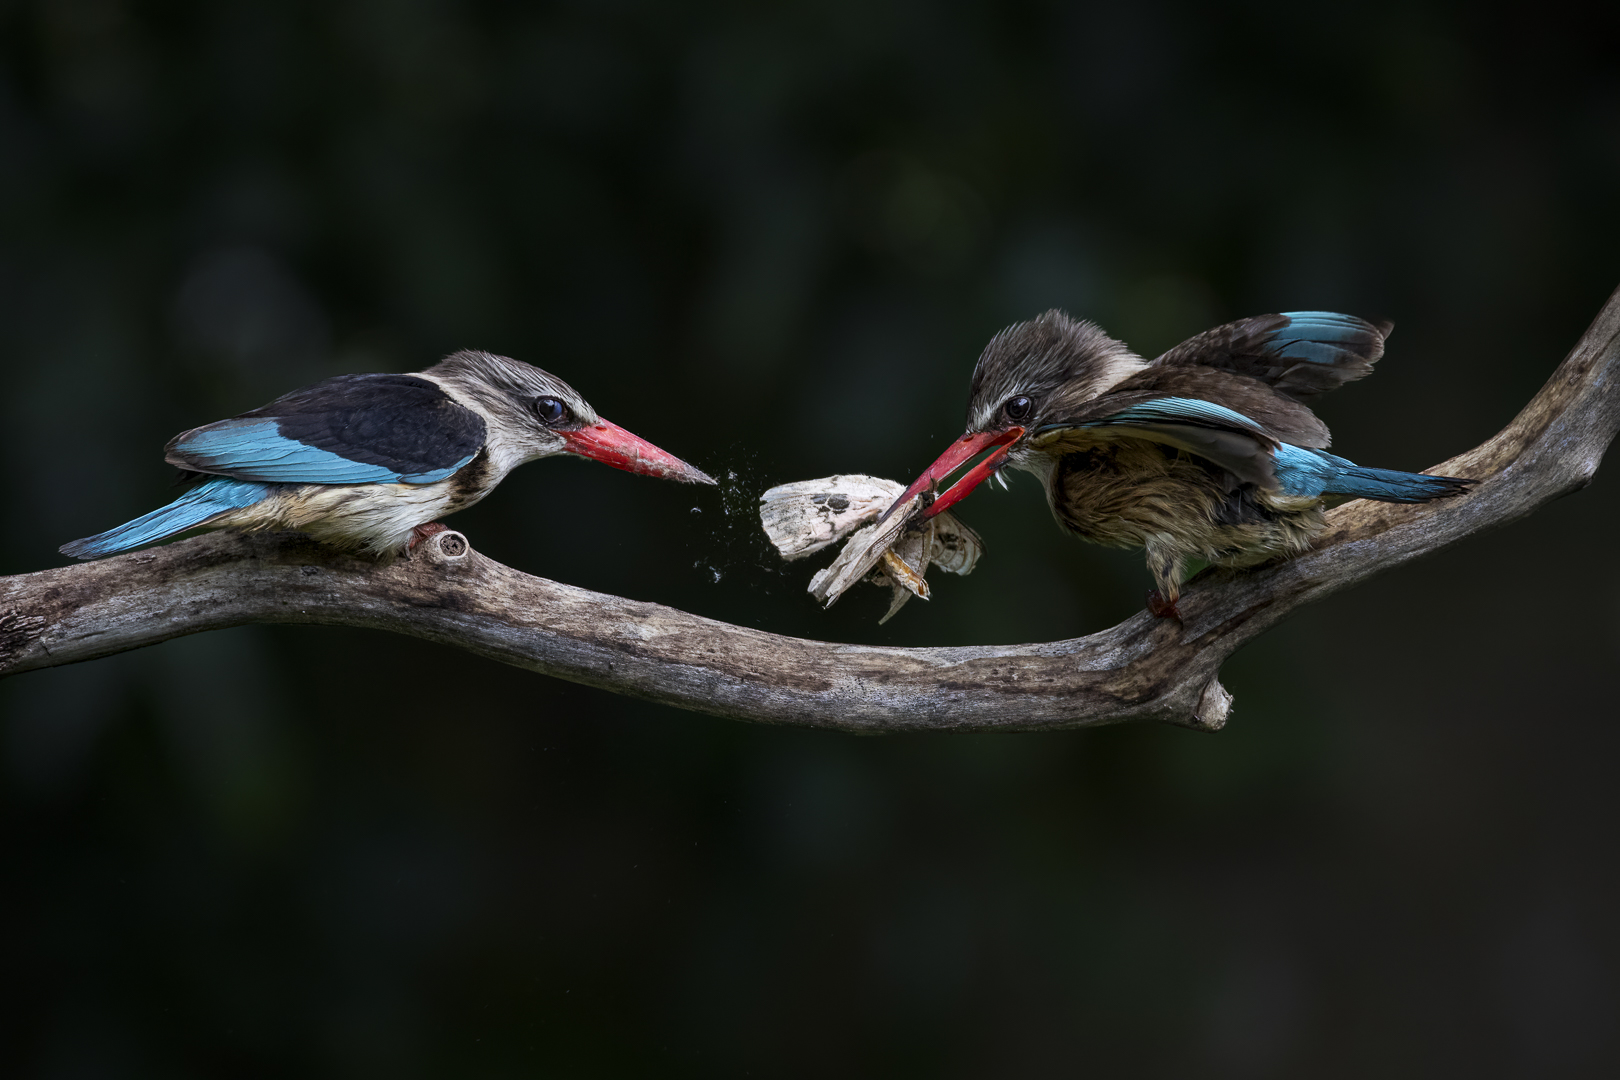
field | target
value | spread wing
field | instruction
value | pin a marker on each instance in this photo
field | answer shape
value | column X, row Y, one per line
column 354, row 429
column 1297, row 353
column 1232, row 420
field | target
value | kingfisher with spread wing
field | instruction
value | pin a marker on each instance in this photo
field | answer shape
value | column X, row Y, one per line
column 371, row 462
column 1208, row 452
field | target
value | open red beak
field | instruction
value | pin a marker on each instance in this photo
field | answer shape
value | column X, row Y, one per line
column 959, row 454
column 612, row 445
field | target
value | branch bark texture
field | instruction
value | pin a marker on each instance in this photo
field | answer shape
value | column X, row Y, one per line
column 1142, row 669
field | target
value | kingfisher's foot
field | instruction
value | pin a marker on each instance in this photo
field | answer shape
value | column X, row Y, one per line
column 1160, row 608
column 422, row 532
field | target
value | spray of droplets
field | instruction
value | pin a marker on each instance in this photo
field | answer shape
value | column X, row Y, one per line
column 731, row 542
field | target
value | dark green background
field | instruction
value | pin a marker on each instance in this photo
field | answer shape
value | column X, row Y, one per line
column 772, row 239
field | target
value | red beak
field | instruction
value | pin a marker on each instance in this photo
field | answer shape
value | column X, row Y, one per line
column 960, row 453
column 612, row 445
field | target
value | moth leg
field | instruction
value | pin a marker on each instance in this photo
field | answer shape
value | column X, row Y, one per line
column 899, row 570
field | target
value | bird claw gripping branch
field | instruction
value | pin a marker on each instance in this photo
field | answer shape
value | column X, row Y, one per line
column 805, row 517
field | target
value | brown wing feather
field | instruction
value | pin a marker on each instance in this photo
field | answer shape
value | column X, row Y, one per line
column 1255, row 348
column 1280, row 417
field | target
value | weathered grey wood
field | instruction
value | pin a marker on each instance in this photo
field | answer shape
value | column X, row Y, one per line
column 1142, row 669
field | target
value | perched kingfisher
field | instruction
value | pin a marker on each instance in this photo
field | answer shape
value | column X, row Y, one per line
column 1205, row 453
column 370, row 462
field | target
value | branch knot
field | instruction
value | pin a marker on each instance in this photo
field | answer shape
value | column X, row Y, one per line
column 450, row 545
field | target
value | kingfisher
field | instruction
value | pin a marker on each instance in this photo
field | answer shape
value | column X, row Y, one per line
column 369, row 463
column 1208, row 452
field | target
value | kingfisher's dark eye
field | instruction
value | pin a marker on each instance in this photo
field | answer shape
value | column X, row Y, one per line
column 550, row 410
column 1018, row 408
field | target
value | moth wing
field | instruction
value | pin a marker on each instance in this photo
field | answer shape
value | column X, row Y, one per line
column 802, row 518
column 954, row 547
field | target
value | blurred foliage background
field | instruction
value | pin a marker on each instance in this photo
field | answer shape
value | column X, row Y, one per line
column 773, row 238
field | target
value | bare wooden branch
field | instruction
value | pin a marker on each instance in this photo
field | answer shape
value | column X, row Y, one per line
column 1142, row 669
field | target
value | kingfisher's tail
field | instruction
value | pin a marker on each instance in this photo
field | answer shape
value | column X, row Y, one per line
column 203, row 502
column 1387, row 485
column 1316, row 473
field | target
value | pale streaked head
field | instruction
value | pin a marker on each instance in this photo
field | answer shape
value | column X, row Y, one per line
column 531, row 414
column 1042, row 370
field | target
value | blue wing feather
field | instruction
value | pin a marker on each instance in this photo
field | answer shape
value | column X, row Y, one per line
column 1320, row 337
column 1181, row 410
column 352, row 429
column 1297, row 353
column 1214, row 432
column 1323, row 326
column 257, row 447
column 1237, row 443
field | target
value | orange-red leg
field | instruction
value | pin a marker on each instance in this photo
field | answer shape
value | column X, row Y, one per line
column 1160, row 608
column 422, row 532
